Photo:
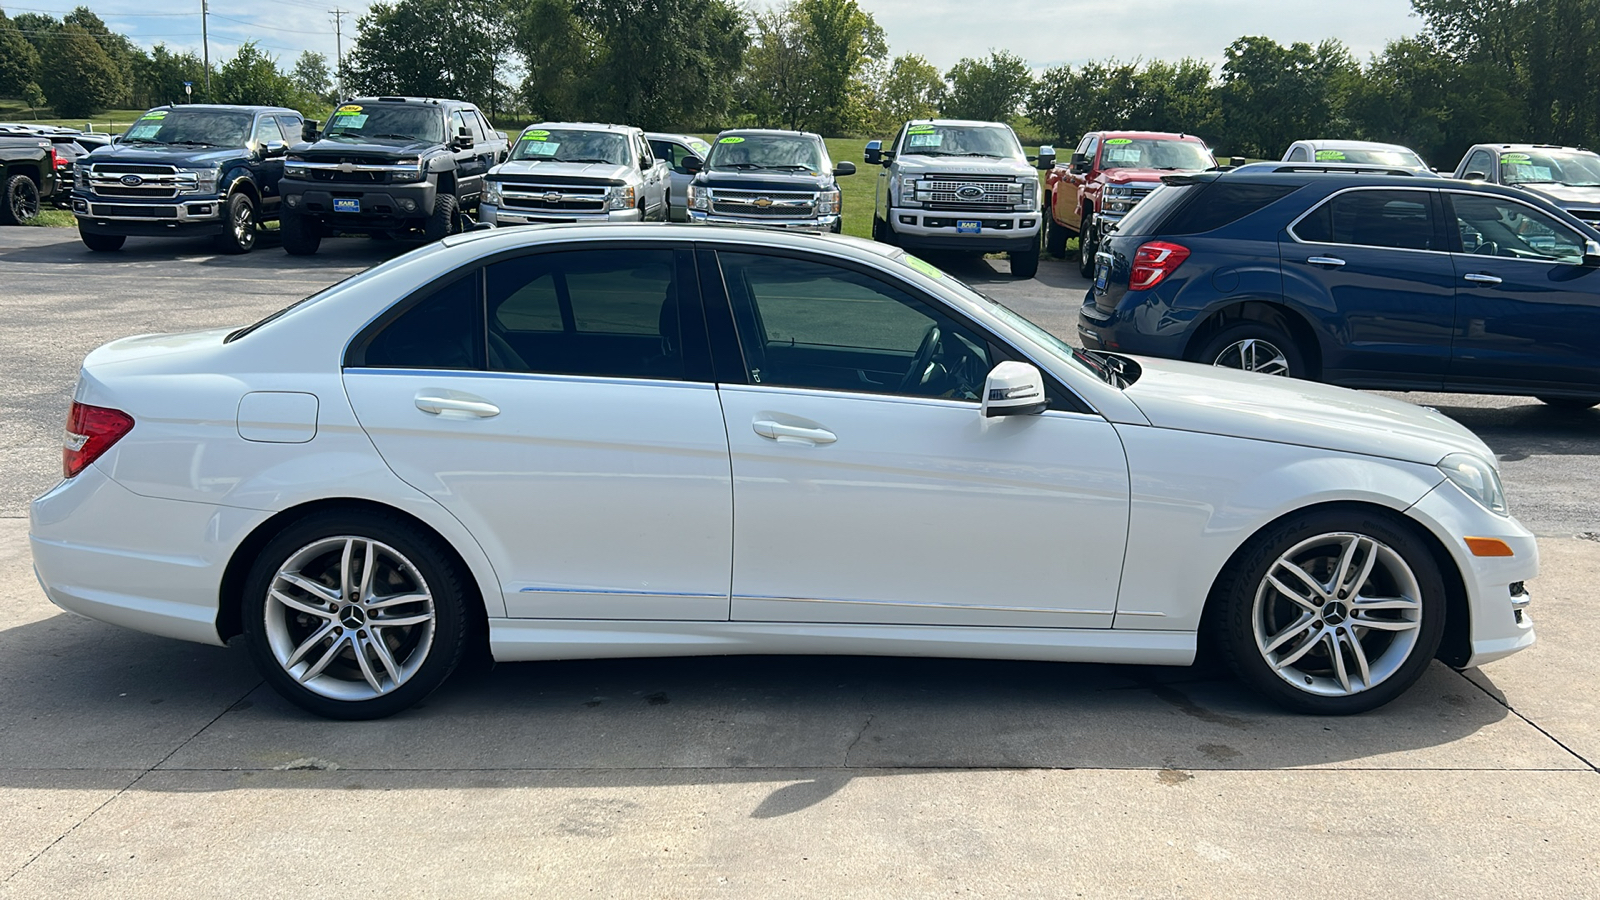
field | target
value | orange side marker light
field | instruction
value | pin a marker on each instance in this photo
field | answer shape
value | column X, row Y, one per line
column 1482, row 546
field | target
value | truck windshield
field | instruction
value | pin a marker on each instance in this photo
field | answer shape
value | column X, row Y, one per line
column 767, row 151
column 961, row 140
column 1155, row 153
column 196, row 127
column 1403, row 159
column 386, row 122
column 1570, row 167
column 570, row 145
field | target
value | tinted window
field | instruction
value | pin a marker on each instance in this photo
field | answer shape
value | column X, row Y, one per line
column 1147, row 217
column 290, row 127
column 475, row 122
column 444, row 331
column 1494, row 226
column 1224, row 202
column 267, row 130
column 594, row 312
column 813, row 325
column 1397, row 219
column 1481, row 164
column 1299, row 154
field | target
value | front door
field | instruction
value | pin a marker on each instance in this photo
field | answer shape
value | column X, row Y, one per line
column 560, row 405
column 1527, row 309
column 867, row 487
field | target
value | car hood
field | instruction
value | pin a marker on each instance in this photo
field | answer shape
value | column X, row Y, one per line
column 164, row 155
column 961, row 165
column 1565, row 195
column 1210, row 400
column 549, row 167
column 1124, row 176
column 764, row 180
column 335, row 149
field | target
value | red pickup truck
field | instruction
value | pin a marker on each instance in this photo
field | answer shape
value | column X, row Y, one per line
column 1109, row 173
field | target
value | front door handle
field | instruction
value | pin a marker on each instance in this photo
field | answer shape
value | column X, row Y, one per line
column 792, row 433
column 1333, row 261
column 455, row 405
column 1477, row 278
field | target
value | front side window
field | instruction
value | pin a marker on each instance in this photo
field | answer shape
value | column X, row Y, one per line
column 996, row 141
column 1393, row 219
column 781, row 152
column 1494, row 226
column 608, row 313
column 1480, row 165
column 442, row 331
column 194, row 128
column 1299, row 154
column 815, row 325
column 572, row 145
column 267, row 130
column 386, row 122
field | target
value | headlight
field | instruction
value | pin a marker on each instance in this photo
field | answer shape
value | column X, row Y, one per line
column 409, row 174
column 699, row 197
column 1478, row 479
column 903, row 192
column 491, row 192
column 828, row 203
column 205, row 179
column 1030, row 192
column 620, row 197
column 81, row 177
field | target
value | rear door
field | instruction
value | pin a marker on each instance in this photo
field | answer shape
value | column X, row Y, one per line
column 1527, row 309
column 1373, row 264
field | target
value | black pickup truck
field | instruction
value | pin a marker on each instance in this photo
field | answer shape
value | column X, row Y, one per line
column 384, row 165
column 27, row 176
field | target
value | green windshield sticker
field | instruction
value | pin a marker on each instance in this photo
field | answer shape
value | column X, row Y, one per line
column 537, row 136
column 730, row 140
column 157, row 114
column 1115, row 141
column 920, row 129
column 1330, row 156
column 926, row 268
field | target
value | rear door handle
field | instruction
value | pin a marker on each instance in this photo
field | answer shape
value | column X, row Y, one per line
column 792, row 433
column 1333, row 261
column 1476, row 278
column 455, row 405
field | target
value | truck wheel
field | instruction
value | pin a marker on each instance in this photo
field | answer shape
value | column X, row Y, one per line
column 881, row 232
column 239, row 224
column 445, row 218
column 102, row 243
column 300, row 237
column 1087, row 245
column 21, row 202
column 1025, row 263
column 1055, row 237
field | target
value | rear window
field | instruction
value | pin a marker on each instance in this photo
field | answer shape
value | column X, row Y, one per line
column 1224, row 203
column 1146, row 218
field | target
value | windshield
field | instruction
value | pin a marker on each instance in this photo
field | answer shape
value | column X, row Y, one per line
column 701, row 148
column 386, row 122
column 995, row 141
column 196, row 127
column 1402, row 159
column 767, row 151
column 1570, row 167
column 1154, row 153
column 569, row 145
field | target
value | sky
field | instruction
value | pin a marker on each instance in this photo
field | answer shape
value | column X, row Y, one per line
column 1043, row 32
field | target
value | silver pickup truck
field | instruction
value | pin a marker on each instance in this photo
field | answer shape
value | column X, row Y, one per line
column 577, row 172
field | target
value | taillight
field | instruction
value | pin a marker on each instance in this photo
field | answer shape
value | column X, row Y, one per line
column 1153, row 262
column 91, row 430
column 55, row 159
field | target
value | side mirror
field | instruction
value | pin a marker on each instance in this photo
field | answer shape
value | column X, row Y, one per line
column 873, row 155
column 1080, row 164
column 1047, row 157
column 844, row 168
column 274, row 149
column 1237, row 161
column 693, row 165
column 308, row 130
column 1013, row 389
column 1475, row 176
column 464, row 138
column 1591, row 254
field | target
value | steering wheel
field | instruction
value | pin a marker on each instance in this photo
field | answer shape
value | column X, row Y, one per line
column 923, row 359
column 1487, row 248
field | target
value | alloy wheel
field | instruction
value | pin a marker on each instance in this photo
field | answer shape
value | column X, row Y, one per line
column 1253, row 355
column 24, row 205
column 244, row 226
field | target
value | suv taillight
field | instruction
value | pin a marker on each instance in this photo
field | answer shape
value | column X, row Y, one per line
column 91, row 430
column 1153, row 262
column 55, row 159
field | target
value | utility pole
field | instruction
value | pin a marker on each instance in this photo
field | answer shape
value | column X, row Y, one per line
column 338, row 47
column 205, row 10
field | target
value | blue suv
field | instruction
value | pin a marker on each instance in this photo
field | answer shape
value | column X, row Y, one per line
column 1358, row 277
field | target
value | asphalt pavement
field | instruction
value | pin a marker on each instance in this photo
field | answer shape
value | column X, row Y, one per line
column 137, row 766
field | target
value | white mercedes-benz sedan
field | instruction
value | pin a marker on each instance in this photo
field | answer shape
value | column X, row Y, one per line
column 647, row 440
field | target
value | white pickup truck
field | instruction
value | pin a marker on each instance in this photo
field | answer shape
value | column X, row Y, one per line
column 951, row 184
column 577, row 172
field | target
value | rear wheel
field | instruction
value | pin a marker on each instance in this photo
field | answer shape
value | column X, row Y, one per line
column 102, row 243
column 1087, row 245
column 1254, row 347
column 21, row 202
column 299, row 235
column 1055, row 236
column 446, row 218
column 1572, row 403
column 239, row 225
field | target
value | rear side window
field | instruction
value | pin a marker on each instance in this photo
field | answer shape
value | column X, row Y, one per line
column 444, row 331
column 1148, row 216
column 1223, row 203
column 1396, row 219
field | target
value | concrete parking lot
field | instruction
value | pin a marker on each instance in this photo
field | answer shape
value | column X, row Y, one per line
column 137, row 766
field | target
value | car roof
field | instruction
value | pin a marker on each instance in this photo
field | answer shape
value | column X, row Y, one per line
column 228, row 107
column 1524, row 147
column 1151, row 135
column 963, row 123
column 1343, row 170
column 1319, row 144
column 587, row 126
column 773, row 131
column 435, row 101
column 671, row 136
column 518, row 235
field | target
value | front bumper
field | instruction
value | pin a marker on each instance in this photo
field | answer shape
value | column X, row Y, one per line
column 381, row 204
column 999, row 232
column 495, row 215
column 96, row 215
column 818, row 225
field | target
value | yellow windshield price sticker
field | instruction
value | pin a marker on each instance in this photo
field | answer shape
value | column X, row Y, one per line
column 539, row 132
column 730, row 140
column 1514, row 157
column 349, row 108
column 1117, row 141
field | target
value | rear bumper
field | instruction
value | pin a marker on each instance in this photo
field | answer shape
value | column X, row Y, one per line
column 1122, row 330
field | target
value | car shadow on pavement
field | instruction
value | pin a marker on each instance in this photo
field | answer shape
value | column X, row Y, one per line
column 98, row 702
column 1054, row 274
column 268, row 253
column 1518, row 432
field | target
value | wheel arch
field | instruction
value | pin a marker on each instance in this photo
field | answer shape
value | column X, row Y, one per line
column 1240, row 310
column 242, row 183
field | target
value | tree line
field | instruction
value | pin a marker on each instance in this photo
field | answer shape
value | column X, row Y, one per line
column 1495, row 70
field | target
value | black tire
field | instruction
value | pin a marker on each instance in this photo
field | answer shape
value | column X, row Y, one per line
column 241, row 224
column 1025, row 263
column 1055, row 236
column 1575, row 404
column 1245, row 611
column 1254, row 347
column 300, row 236
column 881, row 232
column 102, row 243
column 837, row 228
column 1087, row 246
column 20, row 203
column 446, row 218
column 272, row 628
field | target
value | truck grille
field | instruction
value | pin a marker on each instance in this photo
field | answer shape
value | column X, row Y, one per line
column 970, row 193
column 548, row 196
column 776, row 204
column 148, row 182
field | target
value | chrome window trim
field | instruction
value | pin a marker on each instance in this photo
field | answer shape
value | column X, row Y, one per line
column 1342, row 191
column 1519, row 202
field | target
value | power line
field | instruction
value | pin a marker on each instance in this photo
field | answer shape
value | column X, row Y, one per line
column 268, row 27
column 338, row 47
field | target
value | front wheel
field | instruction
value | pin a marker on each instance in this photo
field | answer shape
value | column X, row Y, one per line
column 299, row 235
column 102, row 243
column 239, row 227
column 446, row 218
column 1087, row 245
column 1331, row 613
column 20, row 205
column 354, row 615
column 1254, row 347
column 1025, row 263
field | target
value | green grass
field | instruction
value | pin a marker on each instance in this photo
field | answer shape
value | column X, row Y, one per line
column 112, row 120
column 55, row 218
